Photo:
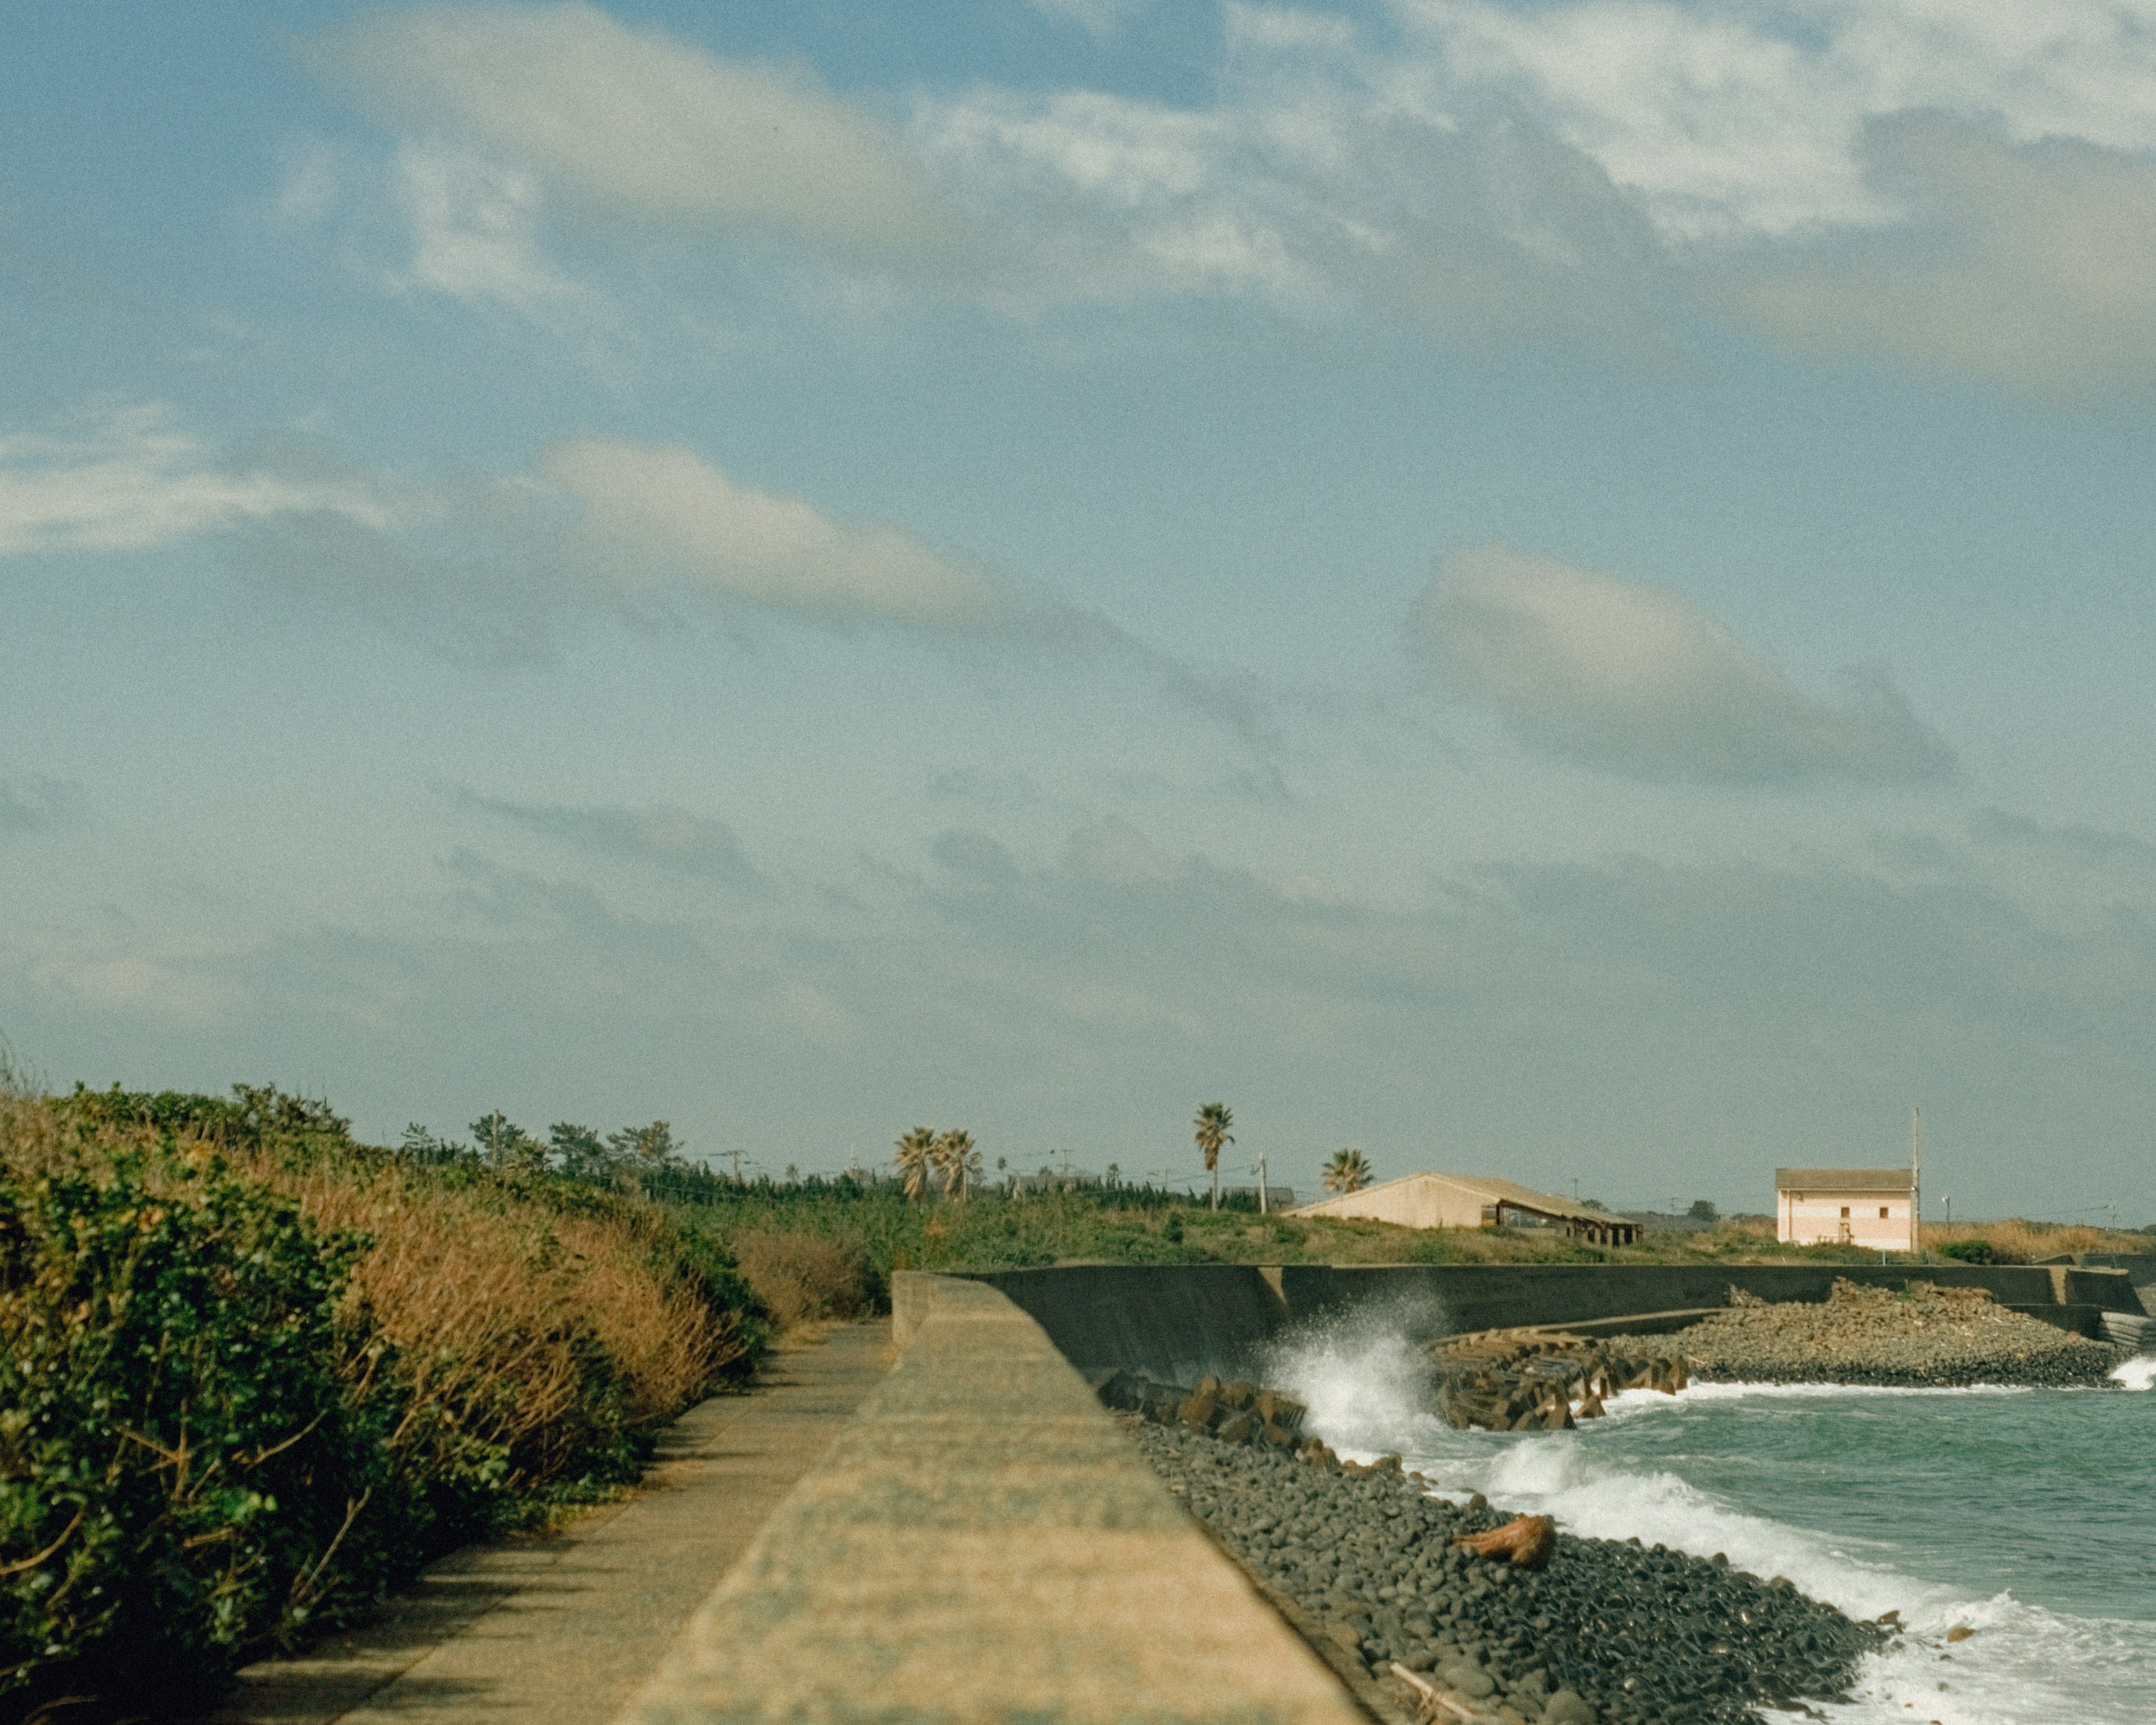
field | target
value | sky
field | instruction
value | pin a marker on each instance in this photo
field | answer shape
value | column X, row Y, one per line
column 1558, row 589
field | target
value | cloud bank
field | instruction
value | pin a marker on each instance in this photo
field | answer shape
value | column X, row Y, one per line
column 1635, row 679
column 1965, row 191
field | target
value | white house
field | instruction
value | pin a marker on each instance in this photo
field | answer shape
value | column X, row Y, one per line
column 1867, row 1207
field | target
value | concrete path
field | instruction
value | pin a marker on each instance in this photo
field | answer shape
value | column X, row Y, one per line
column 985, row 1547
column 561, row 1631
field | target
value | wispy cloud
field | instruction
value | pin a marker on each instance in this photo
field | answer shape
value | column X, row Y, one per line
column 619, row 122
column 475, row 231
column 664, row 837
column 127, row 478
column 651, row 514
column 1637, row 679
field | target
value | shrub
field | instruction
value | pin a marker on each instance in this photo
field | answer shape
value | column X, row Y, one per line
column 806, row 1278
column 185, row 1446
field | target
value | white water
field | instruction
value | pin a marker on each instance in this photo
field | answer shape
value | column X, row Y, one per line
column 1670, row 1470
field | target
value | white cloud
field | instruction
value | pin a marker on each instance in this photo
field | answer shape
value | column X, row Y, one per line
column 1728, row 122
column 1637, row 680
column 133, row 478
column 2031, row 266
column 654, row 514
column 635, row 123
column 474, row 234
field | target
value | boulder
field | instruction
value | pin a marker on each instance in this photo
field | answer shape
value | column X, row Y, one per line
column 1525, row 1542
column 1567, row 1708
column 1470, row 1680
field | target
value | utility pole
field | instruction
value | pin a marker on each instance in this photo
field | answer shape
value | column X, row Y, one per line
column 736, row 1158
column 1262, row 1193
column 1917, row 1182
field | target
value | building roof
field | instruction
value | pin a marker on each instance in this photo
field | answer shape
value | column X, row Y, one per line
column 1843, row 1179
column 1492, row 1190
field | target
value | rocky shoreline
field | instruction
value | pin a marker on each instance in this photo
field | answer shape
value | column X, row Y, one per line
column 1920, row 1336
column 1460, row 1613
column 1574, row 1632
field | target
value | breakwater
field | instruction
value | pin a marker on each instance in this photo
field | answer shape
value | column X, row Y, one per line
column 1179, row 1322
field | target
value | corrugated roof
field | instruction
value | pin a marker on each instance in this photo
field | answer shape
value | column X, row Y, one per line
column 1841, row 1179
column 1511, row 1191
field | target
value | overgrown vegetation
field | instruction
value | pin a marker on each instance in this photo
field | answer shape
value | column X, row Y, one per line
column 253, row 1372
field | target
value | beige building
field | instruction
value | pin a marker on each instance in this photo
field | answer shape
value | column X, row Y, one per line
column 1855, row 1206
column 1473, row 1201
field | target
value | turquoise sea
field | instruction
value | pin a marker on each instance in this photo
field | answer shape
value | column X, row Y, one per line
column 2027, row 1516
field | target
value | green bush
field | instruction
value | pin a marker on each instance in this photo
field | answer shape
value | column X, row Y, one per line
column 1975, row 1251
column 183, row 1453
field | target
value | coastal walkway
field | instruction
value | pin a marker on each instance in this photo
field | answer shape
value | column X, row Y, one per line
column 562, row 1631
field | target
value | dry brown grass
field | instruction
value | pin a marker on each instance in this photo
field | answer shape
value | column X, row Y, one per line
column 495, row 1303
column 806, row 1278
column 2029, row 1241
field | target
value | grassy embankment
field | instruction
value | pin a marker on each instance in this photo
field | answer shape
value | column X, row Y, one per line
column 253, row 1373
column 873, row 1223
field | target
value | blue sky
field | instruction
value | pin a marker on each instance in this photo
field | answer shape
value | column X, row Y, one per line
column 1557, row 589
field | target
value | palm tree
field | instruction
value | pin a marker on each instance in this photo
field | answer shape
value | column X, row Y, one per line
column 1349, row 1171
column 1213, row 1122
column 916, row 1153
column 958, row 1160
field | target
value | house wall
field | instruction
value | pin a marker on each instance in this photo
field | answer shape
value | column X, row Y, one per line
column 1814, row 1217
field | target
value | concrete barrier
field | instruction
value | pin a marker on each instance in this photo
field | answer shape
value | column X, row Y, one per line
column 1177, row 1320
column 983, row 1544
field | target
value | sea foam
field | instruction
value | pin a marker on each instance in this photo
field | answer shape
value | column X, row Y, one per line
column 1367, row 1388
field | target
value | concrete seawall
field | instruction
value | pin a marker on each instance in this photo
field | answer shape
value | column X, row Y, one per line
column 1180, row 1320
column 982, row 1546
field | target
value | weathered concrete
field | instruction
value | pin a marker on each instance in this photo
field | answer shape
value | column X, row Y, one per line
column 983, row 1545
column 1176, row 1321
column 560, row 1631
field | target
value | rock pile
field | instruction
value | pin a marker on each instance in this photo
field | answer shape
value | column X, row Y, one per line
column 1921, row 1336
column 1376, row 1573
column 1529, row 1380
column 1235, row 1412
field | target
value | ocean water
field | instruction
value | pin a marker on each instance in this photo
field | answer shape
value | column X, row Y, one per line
column 2029, row 1516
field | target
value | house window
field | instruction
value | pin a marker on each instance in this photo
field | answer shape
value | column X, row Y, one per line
column 1883, row 1212
column 1845, row 1213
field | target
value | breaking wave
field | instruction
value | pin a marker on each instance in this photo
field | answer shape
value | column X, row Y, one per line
column 2024, row 1516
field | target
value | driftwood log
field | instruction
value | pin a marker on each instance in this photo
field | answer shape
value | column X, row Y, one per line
column 1526, row 1542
